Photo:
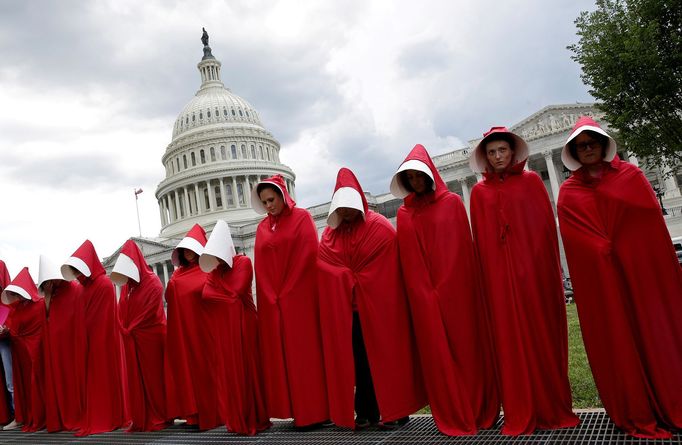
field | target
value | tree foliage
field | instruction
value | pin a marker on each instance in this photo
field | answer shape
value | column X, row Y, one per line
column 630, row 52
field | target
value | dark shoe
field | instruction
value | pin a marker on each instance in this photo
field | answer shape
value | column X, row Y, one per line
column 395, row 424
column 361, row 423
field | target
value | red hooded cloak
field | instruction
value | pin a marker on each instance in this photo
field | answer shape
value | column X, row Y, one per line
column 143, row 324
column 288, row 314
column 5, row 413
column 358, row 266
column 516, row 239
column 190, row 381
column 25, row 322
column 628, row 288
column 443, row 287
column 104, row 399
column 64, row 358
column 231, row 316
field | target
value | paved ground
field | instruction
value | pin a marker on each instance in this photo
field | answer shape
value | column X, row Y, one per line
column 595, row 428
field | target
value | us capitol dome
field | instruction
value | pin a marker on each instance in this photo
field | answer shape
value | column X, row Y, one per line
column 219, row 151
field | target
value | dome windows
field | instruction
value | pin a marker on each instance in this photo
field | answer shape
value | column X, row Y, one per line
column 208, row 114
column 233, row 113
column 253, row 152
column 194, row 118
column 184, row 160
column 240, row 113
column 224, row 111
column 213, row 154
column 201, row 115
column 202, row 156
column 233, row 151
column 223, row 155
column 194, row 159
column 243, row 151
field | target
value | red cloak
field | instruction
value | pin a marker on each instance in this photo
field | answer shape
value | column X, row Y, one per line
column 516, row 239
column 190, row 381
column 358, row 266
column 143, row 325
column 104, row 402
column 64, row 358
column 232, row 320
column 25, row 322
column 628, row 288
column 5, row 413
column 448, row 311
column 288, row 314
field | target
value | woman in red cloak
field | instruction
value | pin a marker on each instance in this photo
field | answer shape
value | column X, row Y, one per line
column 232, row 320
column 103, row 392
column 143, row 325
column 516, row 239
column 190, row 381
column 627, row 282
column 288, row 307
column 25, row 323
column 443, row 287
column 366, row 328
column 63, row 348
column 6, row 403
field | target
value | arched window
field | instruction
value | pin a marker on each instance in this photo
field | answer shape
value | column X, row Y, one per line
column 186, row 119
column 262, row 155
column 233, row 113
column 228, row 192
column 208, row 114
column 201, row 115
column 184, row 161
column 202, row 156
column 223, row 155
column 267, row 153
column 194, row 159
column 233, row 150
column 212, row 154
column 177, row 162
column 194, row 118
column 243, row 151
column 240, row 113
column 247, row 113
column 224, row 111
column 253, row 152
column 218, row 197
column 240, row 193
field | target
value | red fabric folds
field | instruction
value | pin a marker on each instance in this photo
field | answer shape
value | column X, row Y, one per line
column 143, row 324
column 515, row 235
column 359, row 264
column 25, row 323
column 64, row 358
column 448, row 311
column 288, row 315
column 628, row 288
column 104, row 403
column 5, row 413
column 190, row 382
column 232, row 320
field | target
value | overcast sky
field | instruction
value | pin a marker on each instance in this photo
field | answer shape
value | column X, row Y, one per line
column 90, row 90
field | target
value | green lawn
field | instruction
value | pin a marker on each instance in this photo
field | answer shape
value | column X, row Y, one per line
column 582, row 385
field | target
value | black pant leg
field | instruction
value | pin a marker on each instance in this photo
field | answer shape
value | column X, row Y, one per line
column 365, row 400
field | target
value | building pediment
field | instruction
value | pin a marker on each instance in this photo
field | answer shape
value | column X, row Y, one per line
column 554, row 119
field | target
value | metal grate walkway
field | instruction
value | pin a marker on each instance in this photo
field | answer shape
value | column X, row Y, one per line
column 595, row 428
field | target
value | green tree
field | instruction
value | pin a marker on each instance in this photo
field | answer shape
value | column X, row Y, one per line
column 630, row 52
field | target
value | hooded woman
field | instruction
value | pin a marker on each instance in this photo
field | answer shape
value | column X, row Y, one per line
column 6, row 389
column 288, row 307
column 143, row 324
column 190, row 381
column 63, row 348
column 627, row 283
column 516, row 239
column 366, row 328
column 233, row 323
column 442, row 281
column 25, row 323
column 103, row 392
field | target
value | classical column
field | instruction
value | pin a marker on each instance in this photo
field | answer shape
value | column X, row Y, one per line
column 235, row 195
column 292, row 190
column 166, row 209
column 188, row 209
column 165, row 274
column 223, row 196
column 163, row 220
column 553, row 180
column 177, row 204
column 211, row 195
column 465, row 193
column 173, row 209
column 200, row 201
column 247, row 191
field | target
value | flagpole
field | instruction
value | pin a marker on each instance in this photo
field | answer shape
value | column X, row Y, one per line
column 139, row 227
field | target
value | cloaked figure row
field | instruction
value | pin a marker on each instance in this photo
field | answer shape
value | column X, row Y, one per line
column 369, row 324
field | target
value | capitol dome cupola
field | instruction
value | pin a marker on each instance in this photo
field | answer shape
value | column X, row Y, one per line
column 219, row 150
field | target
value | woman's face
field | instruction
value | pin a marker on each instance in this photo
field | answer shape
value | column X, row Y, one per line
column 590, row 151
column 499, row 154
column 189, row 256
column 272, row 201
column 417, row 181
column 348, row 215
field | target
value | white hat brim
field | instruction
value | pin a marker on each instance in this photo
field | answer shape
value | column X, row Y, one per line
column 344, row 197
column 397, row 188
